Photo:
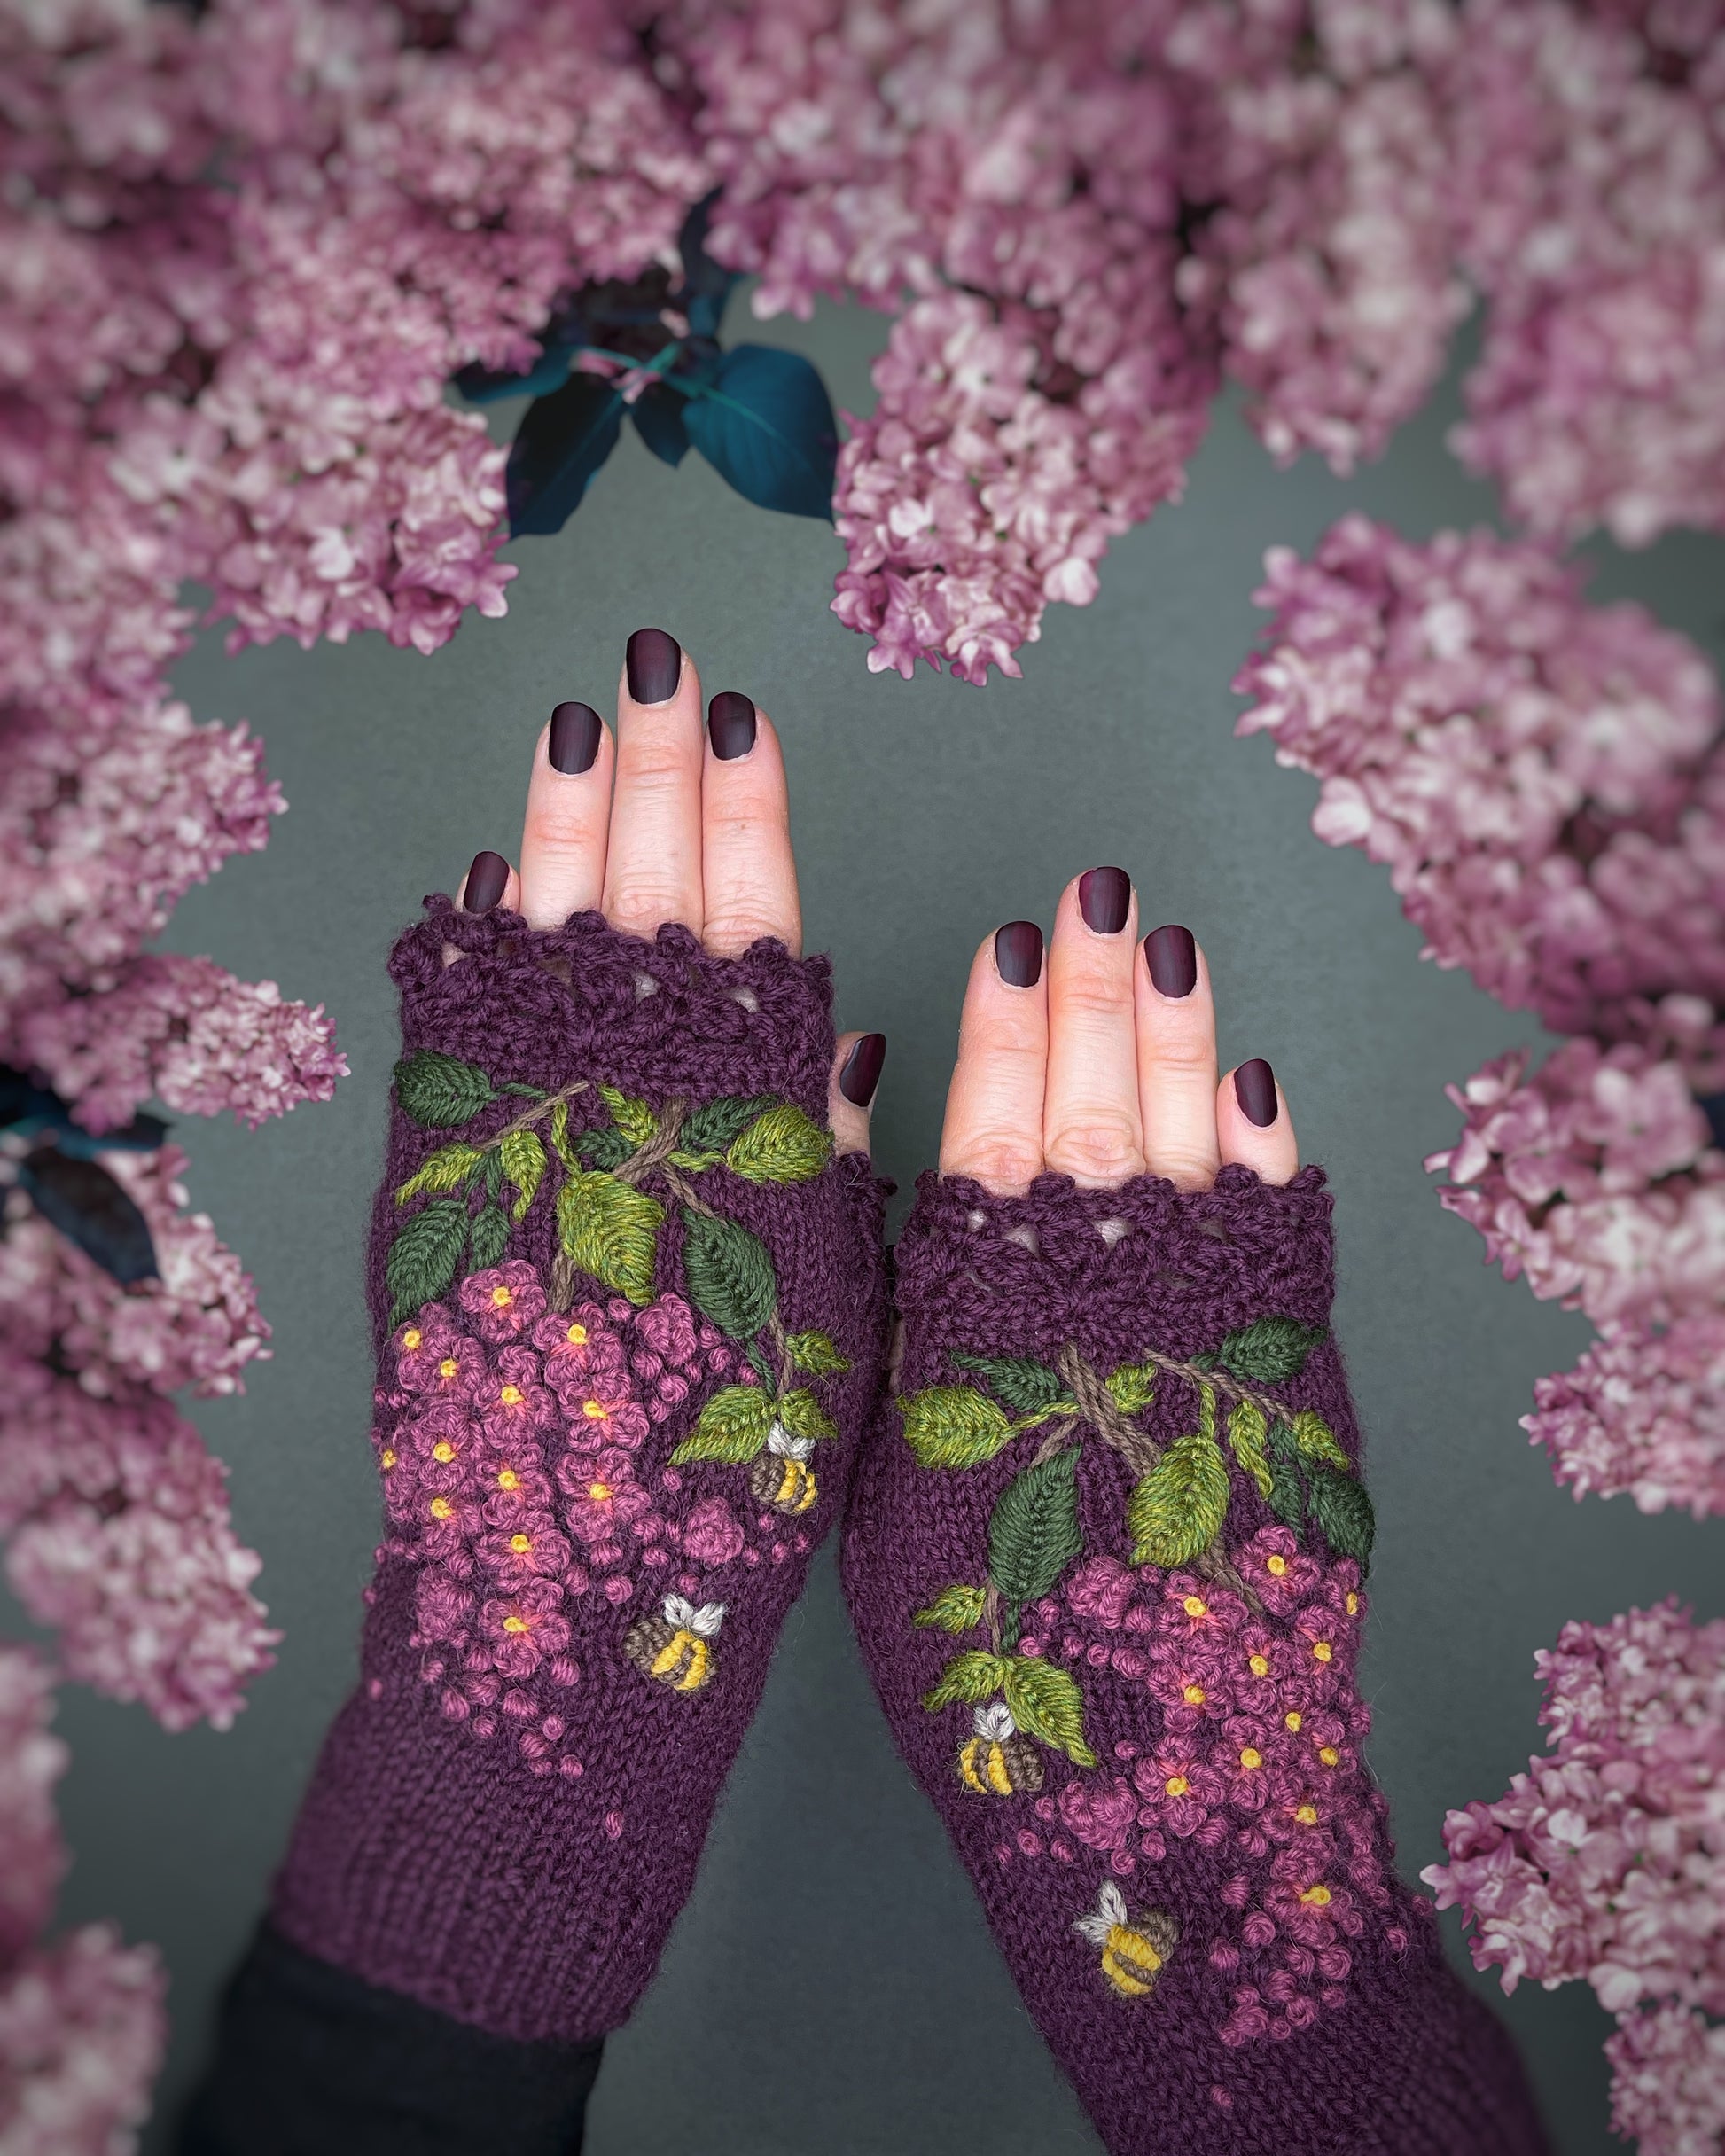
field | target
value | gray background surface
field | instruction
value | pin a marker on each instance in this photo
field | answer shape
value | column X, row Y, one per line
column 831, row 1985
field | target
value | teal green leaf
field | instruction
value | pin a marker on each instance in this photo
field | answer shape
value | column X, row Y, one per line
column 422, row 1260
column 524, row 1163
column 1317, row 1441
column 814, row 1354
column 730, row 1275
column 970, row 1678
column 1246, row 1426
column 954, row 1425
column 610, row 1232
column 607, row 1148
column 783, row 1145
column 1046, row 1703
column 1342, row 1513
column 1033, row 1532
column 439, row 1092
column 733, row 1428
column 954, row 1609
column 1287, row 1495
column 1271, row 1351
column 1024, row 1384
column 488, row 1237
column 1178, row 1508
column 443, row 1170
column 711, row 1127
column 803, row 1416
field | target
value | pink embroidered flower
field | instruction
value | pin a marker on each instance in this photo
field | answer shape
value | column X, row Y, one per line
column 1100, row 1590
column 505, row 1300
column 435, row 1444
column 602, row 1495
column 610, row 1415
column 1283, row 1573
column 1101, row 1819
column 1179, row 1788
column 421, row 1345
column 442, row 1362
column 522, row 1629
column 1310, row 1908
column 1261, row 1662
column 1195, row 1610
column 511, row 1480
column 1327, row 1642
column 580, row 1351
column 711, row 1535
column 1327, row 1755
column 1340, row 1594
column 528, row 1547
column 667, row 1329
column 515, row 1406
column 1191, row 1684
column 1245, row 1760
column 442, row 1608
column 447, row 1517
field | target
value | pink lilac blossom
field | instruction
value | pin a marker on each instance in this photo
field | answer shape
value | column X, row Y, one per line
column 1669, row 2082
column 33, row 1856
column 1642, row 1411
column 82, row 2034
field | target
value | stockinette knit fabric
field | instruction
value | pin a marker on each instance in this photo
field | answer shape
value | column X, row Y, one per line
column 628, row 1314
column 1105, row 1554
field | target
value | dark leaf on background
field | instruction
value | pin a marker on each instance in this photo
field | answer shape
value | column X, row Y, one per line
column 484, row 386
column 707, row 285
column 766, row 427
column 89, row 1208
column 657, row 415
column 563, row 440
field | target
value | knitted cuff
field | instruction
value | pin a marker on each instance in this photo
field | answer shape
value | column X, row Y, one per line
column 1105, row 1557
column 628, row 1313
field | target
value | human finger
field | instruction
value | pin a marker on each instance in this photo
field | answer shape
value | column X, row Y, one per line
column 568, row 817
column 851, row 1090
column 994, row 1121
column 1176, row 1031
column 748, row 874
column 1092, row 1127
column 1252, row 1123
column 652, row 870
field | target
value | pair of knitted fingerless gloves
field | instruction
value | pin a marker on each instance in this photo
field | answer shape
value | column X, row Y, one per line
column 1105, row 1550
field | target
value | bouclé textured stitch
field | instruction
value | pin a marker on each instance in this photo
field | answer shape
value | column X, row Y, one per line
column 628, row 1314
column 1106, row 1554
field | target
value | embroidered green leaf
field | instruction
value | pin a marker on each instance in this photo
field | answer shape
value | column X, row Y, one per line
column 1271, row 1351
column 487, row 1236
column 1024, row 1384
column 1033, row 1532
column 1047, row 1705
column 1287, row 1495
column 494, row 1171
column 712, row 1127
column 954, row 1609
column 783, row 1145
column 607, row 1148
column 970, row 1678
column 1282, row 1443
column 438, row 1091
column 610, row 1231
column 954, row 1425
column 1246, row 1426
column 814, row 1354
column 803, row 1416
column 443, row 1170
column 1317, row 1441
column 1341, row 1510
column 560, row 1136
column 763, row 1368
column 633, row 1118
column 524, row 1163
column 1179, row 1506
column 1133, row 1386
column 733, row 1428
column 730, row 1275
column 423, row 1258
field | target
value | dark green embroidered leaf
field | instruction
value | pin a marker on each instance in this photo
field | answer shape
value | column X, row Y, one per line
column 970, row 1678
column 438, row 1091
column 1047, row 1705
column 814, row 1354
column 1178, row 1509
column 730, row 1275
column 443, row 1170
column 763, row 1368
column 733, row 1428
column 803, row 1416
column 1287, row 1493
column 1341, row 1511
column 954, row 1425
column 494, row 1171
column 712, row 1127
column 1271, row 1351
column 487, row 1236
column 1133, row 1386
column 1317, row 1441
column 423, row 1258
column 1033, row 1532
column 610, row 1232
column 1282, row 1440
column 1024, row 1384
column 523, row 1158
column 954, row 1609
column 603, row 1148
column 1246, row 1426
column 633, row 1118
column 783, row 1145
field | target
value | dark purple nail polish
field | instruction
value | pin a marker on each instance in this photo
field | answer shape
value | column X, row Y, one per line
column 573, row 741
column 1018, row 954
column 655, row 666
column 1171, row 957
column 861, row 1074
column 1254, row 1088
column 730, row 726
column 1105, row 896
column 487, row 881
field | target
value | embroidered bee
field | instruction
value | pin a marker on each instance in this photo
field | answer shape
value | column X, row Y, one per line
column 997, row 1761
column 1132, row 1952
column 675, row 1648
column 782, row 1476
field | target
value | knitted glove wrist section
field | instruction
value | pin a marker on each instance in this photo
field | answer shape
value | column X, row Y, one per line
column 627, row 1310
column 1106, row 1555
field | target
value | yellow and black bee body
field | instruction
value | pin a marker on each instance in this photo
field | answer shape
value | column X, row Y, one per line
column 1134, row 1948
column 996, row 1760
column 675, row 1648
column 782, row 1477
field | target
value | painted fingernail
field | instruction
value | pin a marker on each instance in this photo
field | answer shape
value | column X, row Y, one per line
column 1254, row 1088
column 861, row 1074
column 1103, row 898
column 1171, row 957
column 573, row 741
column 1018, row 954
column 655, row 666
column 730, row 726
column 487, row 881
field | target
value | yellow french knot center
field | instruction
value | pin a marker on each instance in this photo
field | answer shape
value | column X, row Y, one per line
column 1352, row 1604
column 1329, row 1754
column 442, row 1508
column 1318, row 1896
column 448, row 1367
column 510, row 1396
column 1292, row 1719
column 521, row 1544
column 599, row 1491
column 443, row 1451
column 1177, row 1785
column 389, row 1456
column 1195, row 1605
column 1320, row 1648
column 507, row 1478
column 576, row 1336
column 1278, row 1565
column 412, row 1337
column 1193, row 1695
column 501, row 1298
column 515, row 1624
column 1307, row 1815
column 1251, row 1757
column 595, row 1411
column 1259, row 1666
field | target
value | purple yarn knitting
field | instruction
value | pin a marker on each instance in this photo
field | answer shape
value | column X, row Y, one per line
column 628, row 1315
column 1105, row 1556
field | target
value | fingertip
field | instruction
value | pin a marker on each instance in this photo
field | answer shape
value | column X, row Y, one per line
column 857, row 1068
column 1253, row 1127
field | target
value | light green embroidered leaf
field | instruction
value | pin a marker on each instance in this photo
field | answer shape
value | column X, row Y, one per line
column 488, row 1237
column 524, row 1163
column 610, row 1232
column 1271, row 1351
column 954, row 1609
column 1178, row 1508
column 711, row 1127
column 972, row 1678
column 1033, row 1532
column 733, row 1428
column 1133, row 1386
column 443, row 1170
column 633, row 1118
column 1317, row 1441
column 1342, row 1513
column 783, row 1146
column 954, row 1425
column 803, row 1416
column 1247, row 1425
column 423, row 1258
column 730, row 1275
column 1024, row 1384
column 1047, row 1705
column 438, row 1092
column 560, row 1145
column 814, row 1354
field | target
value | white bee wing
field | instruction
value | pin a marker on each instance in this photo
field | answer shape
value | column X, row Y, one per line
column 1111, row 1903
column 780, row 1441
column 707, row 1619
column 1096, row 1929
column 995, row 1722
column 680, row 1614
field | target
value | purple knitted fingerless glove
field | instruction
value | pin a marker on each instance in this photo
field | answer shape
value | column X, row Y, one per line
column 1106, row 1555
column 628, row 1313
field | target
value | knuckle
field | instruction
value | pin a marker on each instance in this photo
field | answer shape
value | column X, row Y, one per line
column 733, row 927
column 1001, row 1161
column 1106, row 1149
column 1092, row 994
column 642, row 904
